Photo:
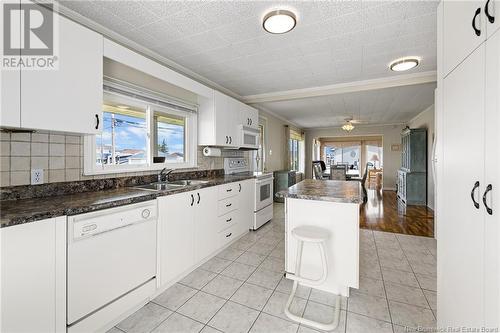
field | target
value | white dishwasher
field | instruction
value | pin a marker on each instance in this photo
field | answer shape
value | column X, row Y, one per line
column 110, row 253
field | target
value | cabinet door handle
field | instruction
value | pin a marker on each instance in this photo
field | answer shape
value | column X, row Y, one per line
column 251, row 122
column 198, row 202
column 229, row 234
column 472, row 194
column 488, row 189
column 240, row 187
column 227, row 139
column 476, row 30
column 96, row 121
column 229, row 205
column 230, row 139
column 229, row 220
column 490, row 17
column 229, row 190
column 192, row 199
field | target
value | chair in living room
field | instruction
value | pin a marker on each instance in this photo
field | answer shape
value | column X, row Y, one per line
column 338, row 172
column 368, row 166
column 317, row 171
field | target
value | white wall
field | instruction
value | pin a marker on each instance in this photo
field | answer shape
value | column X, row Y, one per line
column 426, row 120
column 391, row 134
column 275, row 142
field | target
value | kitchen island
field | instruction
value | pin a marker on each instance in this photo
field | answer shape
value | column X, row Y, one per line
column 334, row 206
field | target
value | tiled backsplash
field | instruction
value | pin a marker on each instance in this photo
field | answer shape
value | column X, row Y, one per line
column 61, row 158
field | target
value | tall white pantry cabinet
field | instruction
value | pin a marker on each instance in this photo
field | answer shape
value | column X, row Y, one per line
column 468, row 168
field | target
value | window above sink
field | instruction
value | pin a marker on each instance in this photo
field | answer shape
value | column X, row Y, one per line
column 141, row 131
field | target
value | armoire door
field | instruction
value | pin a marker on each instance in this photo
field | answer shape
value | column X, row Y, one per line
column 492, row 177
column 461, row 235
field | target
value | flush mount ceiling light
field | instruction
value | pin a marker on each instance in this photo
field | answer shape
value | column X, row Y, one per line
column 279, row 21
column 348, row 126
column 404, row 64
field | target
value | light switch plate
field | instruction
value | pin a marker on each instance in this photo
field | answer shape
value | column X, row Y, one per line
column 36, row 176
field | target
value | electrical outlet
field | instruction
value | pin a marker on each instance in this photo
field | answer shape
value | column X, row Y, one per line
column 36, row 176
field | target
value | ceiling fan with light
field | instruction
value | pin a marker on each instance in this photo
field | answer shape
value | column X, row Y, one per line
column 348, row 126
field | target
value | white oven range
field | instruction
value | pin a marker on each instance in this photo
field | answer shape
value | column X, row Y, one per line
column 263, row 205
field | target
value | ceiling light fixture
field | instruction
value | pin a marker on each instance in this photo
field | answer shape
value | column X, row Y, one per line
column 404, row 64
column 279, row 21
column 348, row 126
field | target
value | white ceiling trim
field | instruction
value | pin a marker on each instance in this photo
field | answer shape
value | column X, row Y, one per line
column 342, row 88
column 139, row 48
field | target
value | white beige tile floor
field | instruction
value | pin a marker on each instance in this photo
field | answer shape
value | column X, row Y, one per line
column 242, row 289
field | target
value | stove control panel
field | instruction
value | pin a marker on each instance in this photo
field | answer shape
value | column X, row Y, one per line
column 235, row 164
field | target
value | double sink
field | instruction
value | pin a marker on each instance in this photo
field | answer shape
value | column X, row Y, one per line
column 173, row 185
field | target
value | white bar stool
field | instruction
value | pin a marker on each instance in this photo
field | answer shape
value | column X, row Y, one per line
column 318, row 236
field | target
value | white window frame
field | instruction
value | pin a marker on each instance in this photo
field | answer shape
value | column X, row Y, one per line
column 191, row 140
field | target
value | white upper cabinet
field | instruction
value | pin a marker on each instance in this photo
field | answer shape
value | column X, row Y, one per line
column 221, row 118
column 10, row 112
column 68, row 99
column 464, row 28
column 10, row 95
column 226, row 119
column 492, row 13
column 249, row 116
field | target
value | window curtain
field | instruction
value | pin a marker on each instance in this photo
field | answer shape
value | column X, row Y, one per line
column 292, row 133
column 287, row 159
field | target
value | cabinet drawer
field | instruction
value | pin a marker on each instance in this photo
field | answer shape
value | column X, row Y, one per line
column 227, row 220
column 227, row 235
column 227, row 205
column 228, row 190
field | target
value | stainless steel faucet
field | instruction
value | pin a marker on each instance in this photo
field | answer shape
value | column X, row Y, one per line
column 164, row 174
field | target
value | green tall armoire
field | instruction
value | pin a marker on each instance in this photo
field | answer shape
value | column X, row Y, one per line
column 412, row 176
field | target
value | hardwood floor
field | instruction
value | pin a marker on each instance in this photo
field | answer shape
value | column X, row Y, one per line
column 381, row 212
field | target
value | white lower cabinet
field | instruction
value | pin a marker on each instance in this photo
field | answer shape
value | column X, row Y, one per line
column 33, row 277
column 194, row 225
column 205, row 223
column 246, row 205
column 175, row 235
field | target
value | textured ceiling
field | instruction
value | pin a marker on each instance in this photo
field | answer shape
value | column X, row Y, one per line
column 383, row 106
column 333, row 42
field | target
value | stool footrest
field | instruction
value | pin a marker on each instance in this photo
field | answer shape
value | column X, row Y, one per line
column 305, row 280
column 319, row 325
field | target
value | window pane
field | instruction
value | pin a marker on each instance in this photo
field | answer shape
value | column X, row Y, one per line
column 294, row 154
column 170, row 137
column 351, row 155
column 124, row 136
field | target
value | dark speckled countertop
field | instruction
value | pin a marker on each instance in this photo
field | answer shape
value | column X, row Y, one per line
column 325, row 190
column 13, row 212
